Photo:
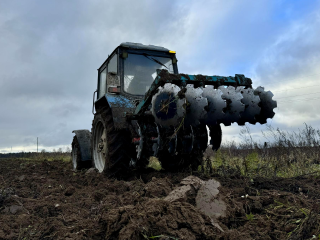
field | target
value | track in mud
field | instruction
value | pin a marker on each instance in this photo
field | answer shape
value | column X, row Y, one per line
column 47, row 200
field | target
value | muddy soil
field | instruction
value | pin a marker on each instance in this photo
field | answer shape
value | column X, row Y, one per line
column 47, row 200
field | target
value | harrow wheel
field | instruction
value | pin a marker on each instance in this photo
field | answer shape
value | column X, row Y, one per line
column 108, row 145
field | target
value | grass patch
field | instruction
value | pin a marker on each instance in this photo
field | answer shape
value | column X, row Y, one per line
column 154, row 163
column 286, row 154
column 52, row 156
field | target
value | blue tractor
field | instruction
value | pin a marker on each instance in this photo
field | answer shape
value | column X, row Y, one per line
column 144, row 107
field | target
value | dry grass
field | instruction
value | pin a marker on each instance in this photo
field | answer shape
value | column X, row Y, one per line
column 49, row 156
column 284, row 154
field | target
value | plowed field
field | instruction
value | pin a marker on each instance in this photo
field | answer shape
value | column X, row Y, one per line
column 47, row 200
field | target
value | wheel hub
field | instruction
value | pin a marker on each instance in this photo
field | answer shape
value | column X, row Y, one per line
column 100, row 147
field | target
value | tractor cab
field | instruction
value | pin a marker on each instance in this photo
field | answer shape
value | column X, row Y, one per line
column 131, row 69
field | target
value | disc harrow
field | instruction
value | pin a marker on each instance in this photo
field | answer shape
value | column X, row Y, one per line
column 251, row 103
column 266, row 103
column 211, row 106
column 168, row 108
column 234, row 105
column 196, row 106
column 216, row 105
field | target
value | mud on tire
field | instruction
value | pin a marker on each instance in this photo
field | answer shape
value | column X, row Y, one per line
column 117, row 142
column 77, row 163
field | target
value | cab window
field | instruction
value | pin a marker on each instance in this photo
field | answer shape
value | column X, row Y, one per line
column 102, row 83
column 140, row 72
column 113, row 65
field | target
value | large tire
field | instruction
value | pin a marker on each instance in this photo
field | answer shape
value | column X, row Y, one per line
column 109, row 146
column 77, row 162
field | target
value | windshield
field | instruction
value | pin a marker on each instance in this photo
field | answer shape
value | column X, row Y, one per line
column 140, row 71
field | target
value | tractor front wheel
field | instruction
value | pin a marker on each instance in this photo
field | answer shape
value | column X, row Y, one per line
column 77, row 161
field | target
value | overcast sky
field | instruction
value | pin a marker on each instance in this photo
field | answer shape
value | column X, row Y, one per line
column 50, row 50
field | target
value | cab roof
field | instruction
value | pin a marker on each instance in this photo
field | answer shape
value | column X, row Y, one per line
column 137, row 46
column 142, row 46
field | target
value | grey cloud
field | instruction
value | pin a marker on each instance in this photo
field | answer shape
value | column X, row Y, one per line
column 295, row 55
column 50, row 51
column 291, row 62
column 49, row 55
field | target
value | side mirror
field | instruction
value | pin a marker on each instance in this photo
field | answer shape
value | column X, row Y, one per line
column 174, row 60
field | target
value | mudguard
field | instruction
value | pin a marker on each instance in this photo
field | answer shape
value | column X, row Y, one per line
column 84, row 140
column 120, row 106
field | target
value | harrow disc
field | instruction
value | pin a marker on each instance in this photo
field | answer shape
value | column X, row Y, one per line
column 251, row 103
column 196, row 106
column 266, row 103
column 234, row 105
column 186, row 140
column 167, row 108
column 216, row 105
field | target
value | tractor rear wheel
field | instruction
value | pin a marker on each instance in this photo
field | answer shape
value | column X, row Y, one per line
column 109, row 146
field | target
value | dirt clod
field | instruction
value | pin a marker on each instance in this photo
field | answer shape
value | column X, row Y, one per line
column 180, row 194
column 194, row 181
column 91, row 171
column 208, row 200
column 13, row 209
column 69, row 191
